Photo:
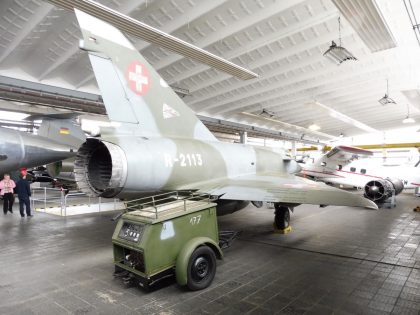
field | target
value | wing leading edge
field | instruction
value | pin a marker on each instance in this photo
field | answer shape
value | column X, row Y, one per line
column 275, row 188
column 346, row 154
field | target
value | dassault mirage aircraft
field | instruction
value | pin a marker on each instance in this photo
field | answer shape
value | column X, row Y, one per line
column 58, row 138
column 160, row 145
column 345, row 166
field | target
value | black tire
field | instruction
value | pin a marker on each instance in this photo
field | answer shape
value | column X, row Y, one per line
column 201, row 268
column 282, row 217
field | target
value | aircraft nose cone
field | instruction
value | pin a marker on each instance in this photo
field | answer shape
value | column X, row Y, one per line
column 41, row 151
column 293, row 167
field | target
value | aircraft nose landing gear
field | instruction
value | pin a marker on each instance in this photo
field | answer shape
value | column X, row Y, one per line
column 281, row 219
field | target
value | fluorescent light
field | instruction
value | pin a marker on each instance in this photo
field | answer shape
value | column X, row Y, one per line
column 314, row 127
column 338, row 54
column 408, row 120
column 346, row 119
column 267, row 113
column 290, row 126
column 5, row 115
column 386, row 99
column 367, row 20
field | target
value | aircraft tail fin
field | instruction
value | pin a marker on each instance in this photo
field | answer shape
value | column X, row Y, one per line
column 133, row 92
column 64, row 131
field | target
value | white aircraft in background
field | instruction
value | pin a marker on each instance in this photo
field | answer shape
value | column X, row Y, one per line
column 348, row 166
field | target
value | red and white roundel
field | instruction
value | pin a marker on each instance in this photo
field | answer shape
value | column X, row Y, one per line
column 138, row 78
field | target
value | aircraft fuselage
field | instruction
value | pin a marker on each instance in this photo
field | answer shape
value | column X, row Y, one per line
column 126, row 165
column 20, row 149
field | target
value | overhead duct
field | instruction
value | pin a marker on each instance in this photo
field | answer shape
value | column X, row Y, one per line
column 152, row 35
column 367, row 20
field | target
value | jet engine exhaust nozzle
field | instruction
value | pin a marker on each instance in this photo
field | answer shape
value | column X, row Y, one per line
column 100, row 168
column 380, row 190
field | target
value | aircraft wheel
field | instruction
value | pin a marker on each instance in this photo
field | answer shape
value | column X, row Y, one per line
column 281, row 217
column 201, row 268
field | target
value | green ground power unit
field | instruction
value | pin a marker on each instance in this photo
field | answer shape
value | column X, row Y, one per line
column 168, row 234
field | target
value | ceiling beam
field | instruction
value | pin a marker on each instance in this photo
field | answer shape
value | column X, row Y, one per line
column 330, row 95
column 256, row 44
column 126, row 9
column 197, row 12
column 141, row 30
column 288, row 126
column 307, row 81
column 295, row 83
column 201, row 102
column 370, row 115
column 43, row 99
column 344, row 118
column 367, row 20
column 273, row 8
column 251, row 129
column 39, row 14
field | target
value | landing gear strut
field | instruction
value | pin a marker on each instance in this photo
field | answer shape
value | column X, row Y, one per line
column 281, row 219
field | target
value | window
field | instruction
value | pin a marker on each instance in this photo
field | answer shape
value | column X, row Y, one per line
column 352, row 169
column 363, row 171
column 324, row 164
column 339, row 167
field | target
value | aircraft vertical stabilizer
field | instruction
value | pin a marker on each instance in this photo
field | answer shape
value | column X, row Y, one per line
column 64, row 131
column 133, row 92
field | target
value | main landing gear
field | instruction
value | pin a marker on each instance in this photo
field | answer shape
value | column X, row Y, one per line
column 281, row 219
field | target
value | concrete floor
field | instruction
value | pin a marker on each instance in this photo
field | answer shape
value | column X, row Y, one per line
column 337, row 260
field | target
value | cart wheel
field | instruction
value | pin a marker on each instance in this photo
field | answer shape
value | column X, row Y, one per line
column 201, row 268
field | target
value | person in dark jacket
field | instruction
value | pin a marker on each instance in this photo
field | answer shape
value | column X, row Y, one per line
column 23, row 191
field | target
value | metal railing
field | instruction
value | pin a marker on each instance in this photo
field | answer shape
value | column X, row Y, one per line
column 48, row 197
column 58, row 198
column 156, row 205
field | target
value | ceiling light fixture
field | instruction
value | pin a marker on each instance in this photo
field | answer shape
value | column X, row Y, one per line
column 344, row 118
column 314, row 127
column 6, row 115
column 408, row 119
column 386, row 99
column 337, row 53
column 267, row 113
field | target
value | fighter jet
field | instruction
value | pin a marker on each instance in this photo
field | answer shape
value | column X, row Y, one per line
column 58, row 139
column 160, row 145
column 348, row 166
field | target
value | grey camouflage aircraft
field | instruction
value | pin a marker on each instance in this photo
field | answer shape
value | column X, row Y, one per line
column 158, row 144
column 58, row 138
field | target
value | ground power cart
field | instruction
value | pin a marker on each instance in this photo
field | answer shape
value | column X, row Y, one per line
column 165, row 235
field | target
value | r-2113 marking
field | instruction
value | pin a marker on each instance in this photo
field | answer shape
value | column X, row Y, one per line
column 184, row 160
column 190, row 160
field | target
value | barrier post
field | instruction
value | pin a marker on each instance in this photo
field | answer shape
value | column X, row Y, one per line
column 45, row 199
column 62, row 202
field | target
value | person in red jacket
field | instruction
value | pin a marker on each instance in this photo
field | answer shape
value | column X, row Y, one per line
column 6, row 190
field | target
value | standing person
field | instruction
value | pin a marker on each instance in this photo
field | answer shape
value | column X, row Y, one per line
column 24, row 192
column 6, row 190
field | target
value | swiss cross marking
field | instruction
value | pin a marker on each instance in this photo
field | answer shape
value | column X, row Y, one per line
column 138, row 78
